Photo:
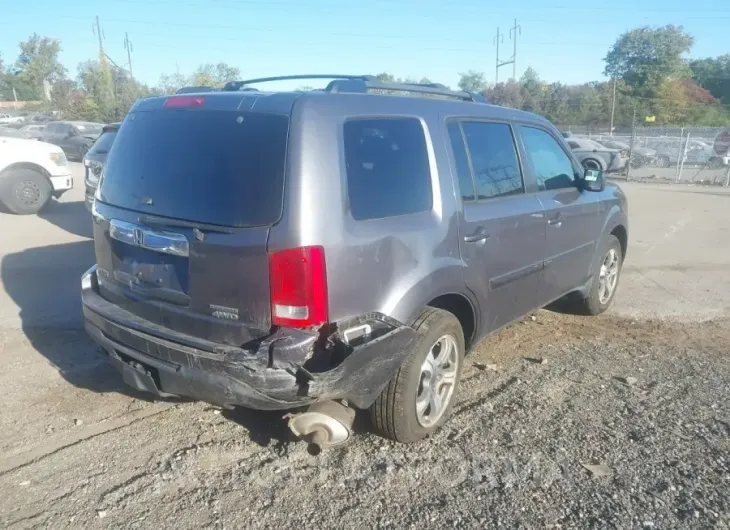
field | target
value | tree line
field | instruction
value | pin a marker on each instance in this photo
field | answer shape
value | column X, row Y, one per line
column 647, row 69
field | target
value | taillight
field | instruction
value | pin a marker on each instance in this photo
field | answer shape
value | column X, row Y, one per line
column 298, row 280
column 185, row 101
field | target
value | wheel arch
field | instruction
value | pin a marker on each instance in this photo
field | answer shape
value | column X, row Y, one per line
column 28, row 165
column 623, row 238
column 444, row 288
column 462, row 308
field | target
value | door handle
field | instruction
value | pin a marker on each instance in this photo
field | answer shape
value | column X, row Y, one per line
column 479, row 235
column 556, row 221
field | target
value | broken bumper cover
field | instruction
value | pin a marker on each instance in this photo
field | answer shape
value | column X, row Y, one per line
column 158, row 360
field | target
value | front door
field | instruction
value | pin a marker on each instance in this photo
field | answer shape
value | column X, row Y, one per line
column 572, row 215
column 66, row 139
column 502, row 225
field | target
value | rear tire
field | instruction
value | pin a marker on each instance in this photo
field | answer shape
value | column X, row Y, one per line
column 605, row 281
column 24, row 191
column 399, row 412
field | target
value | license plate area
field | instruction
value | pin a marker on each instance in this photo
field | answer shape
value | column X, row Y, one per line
column 136, row 266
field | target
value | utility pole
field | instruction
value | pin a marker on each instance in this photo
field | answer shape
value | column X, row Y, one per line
column 613, row 104
column 631, row 145
column 128, row 47
column 496, row 41
column 517, row 30
column 102, row 55
column 513, row 32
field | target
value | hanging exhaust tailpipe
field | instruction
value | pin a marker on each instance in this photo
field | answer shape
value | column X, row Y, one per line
column 323, row 425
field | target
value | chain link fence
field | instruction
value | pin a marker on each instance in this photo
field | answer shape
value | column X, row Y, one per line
column 664, row 154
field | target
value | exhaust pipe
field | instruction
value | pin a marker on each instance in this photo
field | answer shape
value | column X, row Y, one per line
column 324, row 424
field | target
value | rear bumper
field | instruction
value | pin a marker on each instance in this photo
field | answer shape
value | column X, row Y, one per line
column 167, row 363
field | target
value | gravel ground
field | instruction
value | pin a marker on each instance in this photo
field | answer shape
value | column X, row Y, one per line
column 646, row 402
column 619, row 421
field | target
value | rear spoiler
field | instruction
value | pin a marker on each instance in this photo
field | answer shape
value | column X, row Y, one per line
column 193, row 89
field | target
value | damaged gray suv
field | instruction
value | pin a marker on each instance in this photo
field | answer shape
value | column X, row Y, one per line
column 338, row 249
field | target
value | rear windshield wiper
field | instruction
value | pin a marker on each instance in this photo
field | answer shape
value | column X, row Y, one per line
column 203, row 227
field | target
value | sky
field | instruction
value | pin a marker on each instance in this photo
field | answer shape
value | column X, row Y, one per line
column 563, row 40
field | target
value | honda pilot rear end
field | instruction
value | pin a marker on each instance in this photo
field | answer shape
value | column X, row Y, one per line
column 186, row 296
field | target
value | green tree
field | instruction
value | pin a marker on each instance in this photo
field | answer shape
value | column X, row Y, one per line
column 169, row 83
column 385, row 77
column 215, row 75
column 713, row 74
column 63, row 94
column 533, row 91
column 645, row 57
column 472, row 81
column 38, row 62
column 505, row 94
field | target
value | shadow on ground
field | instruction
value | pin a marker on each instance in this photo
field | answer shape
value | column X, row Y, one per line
column 45, row 283
column 73, row 217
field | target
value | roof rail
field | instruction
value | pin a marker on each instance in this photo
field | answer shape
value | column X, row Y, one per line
column 192, row 89
column 362, row 84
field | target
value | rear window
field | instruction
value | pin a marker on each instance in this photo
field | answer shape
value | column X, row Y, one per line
column 217, row 167
column 104, row 143
column 388, row 173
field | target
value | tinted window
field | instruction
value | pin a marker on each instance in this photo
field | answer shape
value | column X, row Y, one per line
column 552, row 166
column 493, row 159
column 387, row 167
column 216, row 167
column 461, row 161
column 573, row 145
column 104, row 143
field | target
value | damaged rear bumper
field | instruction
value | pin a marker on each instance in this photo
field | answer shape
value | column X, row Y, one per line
column 158, row 360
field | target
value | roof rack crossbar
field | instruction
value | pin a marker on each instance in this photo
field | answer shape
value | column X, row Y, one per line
column 363, row 83
column 426, row 88
column 236, row 85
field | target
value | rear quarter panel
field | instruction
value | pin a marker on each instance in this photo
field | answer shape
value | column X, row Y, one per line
column 394, row 265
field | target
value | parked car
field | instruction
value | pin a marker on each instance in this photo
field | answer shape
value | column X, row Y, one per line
column 596, row 156
column 33, row 132
column 31, row 173
column 698, row 153
column 640, row 156
column 12, row 132
column 307, row 248
column 95, row 159
column 74, row 137
column 7, row 118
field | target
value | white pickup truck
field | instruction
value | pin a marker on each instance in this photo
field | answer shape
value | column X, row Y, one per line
column 31, row 172
column 7, row 118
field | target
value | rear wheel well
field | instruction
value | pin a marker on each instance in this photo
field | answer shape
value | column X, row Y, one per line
column 459, row 306
column 622, row 236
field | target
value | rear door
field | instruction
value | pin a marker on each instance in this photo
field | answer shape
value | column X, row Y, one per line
column 183, row 214
column 502, row 226
column 573, row 221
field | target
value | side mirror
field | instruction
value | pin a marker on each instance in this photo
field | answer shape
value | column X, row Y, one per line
column 593, row 180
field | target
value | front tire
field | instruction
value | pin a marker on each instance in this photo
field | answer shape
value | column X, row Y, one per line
column 24, row 191
column 421, row 395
